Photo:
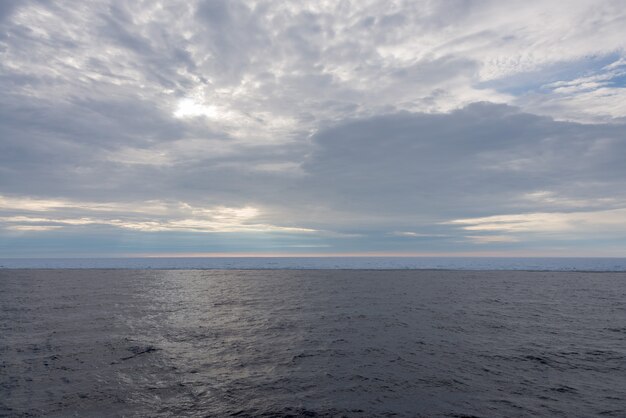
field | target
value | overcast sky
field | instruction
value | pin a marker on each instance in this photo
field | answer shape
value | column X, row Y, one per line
column 326, row 127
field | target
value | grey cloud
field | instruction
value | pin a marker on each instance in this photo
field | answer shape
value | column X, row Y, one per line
column 160, row 53
column 481, row 160
column 229, row 36
column 7, row 7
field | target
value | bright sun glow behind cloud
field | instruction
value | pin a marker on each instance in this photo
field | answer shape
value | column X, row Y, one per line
column 191, row 108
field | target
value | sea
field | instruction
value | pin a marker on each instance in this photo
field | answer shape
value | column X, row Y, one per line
column 340, row 337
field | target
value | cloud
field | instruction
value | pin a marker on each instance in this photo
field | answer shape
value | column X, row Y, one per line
column 491, row 239
column 597, row 96
column 27, row 214
column 483, row 158
column 375, row 122
column 7, row 7
column 558, row 229
column 411, row 234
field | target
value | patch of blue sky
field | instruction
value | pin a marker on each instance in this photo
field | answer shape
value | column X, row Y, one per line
column 538, row 81
column 618, row 81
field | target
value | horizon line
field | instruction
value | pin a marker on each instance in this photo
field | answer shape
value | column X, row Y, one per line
column 320, row 255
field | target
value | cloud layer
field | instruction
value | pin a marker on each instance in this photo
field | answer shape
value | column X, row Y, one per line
column 283, row 127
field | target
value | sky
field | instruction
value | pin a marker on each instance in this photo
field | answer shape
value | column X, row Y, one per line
column 226, row 127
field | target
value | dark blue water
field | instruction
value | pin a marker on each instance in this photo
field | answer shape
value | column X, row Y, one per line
column 312, row 343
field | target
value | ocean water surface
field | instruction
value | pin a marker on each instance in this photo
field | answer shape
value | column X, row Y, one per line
column 355, row 343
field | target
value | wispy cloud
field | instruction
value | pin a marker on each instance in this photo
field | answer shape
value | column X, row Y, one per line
column 604, row 221
column 141, row 216
column 491, row 239
column 416, row 234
